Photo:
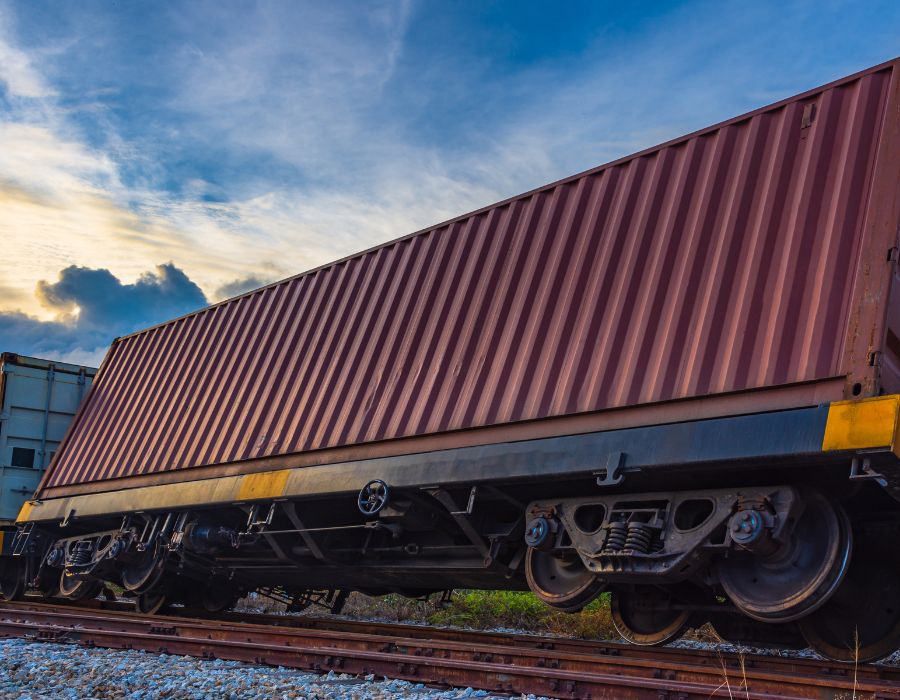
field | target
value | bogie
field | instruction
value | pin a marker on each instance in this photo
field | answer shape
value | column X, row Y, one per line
column 761, row 563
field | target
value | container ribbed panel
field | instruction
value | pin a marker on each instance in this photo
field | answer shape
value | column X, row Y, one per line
column 718, row 262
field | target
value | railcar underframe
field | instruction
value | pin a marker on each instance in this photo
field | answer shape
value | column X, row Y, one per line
column 779, row 528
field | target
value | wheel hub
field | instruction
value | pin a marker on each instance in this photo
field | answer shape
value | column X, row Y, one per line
column 790, row 581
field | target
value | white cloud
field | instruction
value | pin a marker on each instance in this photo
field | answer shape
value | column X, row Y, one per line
column 298, row 85
column 308, row 94
column 63, row 202
column 18, row 76
column 85, row 358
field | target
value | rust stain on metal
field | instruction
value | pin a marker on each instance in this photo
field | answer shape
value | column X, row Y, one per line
column 509, row 663
column 746, row 256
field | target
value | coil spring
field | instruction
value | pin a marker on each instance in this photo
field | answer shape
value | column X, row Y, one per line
column 616, row 537
column 84, row 552
column 640, row 536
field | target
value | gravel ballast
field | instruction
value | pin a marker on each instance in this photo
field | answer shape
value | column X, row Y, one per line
column 36, row 670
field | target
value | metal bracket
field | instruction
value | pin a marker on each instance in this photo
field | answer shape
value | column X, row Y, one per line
column 887, row 476
column 462, row 519
column 611, row 475
column 470, row 505
column 178, row 533
column 861, row 470
column 257, row 526
column 255, row 523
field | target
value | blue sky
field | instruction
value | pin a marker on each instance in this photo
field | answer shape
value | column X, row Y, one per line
column 186, row 151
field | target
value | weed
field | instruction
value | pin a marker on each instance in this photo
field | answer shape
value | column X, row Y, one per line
column 475, row 609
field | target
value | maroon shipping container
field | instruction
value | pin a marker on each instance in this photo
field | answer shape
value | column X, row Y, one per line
column 742, row 268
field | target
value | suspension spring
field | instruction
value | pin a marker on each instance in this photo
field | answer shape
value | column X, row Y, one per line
column 615, row 538
column 640, row 536
column 83, row 554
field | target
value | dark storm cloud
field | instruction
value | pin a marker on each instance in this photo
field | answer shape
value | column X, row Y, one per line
column 239, row 286
column 93, row 307
column 105, row 302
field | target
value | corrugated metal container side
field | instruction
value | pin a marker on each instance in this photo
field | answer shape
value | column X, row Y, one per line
column 38, row 400
column 750, row 255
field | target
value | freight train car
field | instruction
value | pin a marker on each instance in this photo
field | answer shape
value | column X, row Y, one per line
column 675, row 377
column 38, row 400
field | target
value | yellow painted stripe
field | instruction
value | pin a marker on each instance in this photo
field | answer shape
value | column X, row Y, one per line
column 263, row 485
column 862, row 424
column 25, row 512
column 228, row 489
column 851, row 425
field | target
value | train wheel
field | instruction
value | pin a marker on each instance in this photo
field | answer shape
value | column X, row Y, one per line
column 151, row 602
column 861, row 622
column 799, row 576
column 561, row 582
column 646, row 615
column 78, row 589
column 12, row 578
column 144, row 572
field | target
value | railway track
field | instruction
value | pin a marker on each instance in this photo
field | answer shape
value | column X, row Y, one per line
column 555, row 667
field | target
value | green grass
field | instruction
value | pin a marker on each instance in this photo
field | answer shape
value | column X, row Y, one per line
column 490, row 609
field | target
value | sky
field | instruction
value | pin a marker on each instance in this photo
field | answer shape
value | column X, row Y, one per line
column 159, row 156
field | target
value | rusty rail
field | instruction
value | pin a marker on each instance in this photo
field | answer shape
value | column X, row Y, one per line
column 509, row 664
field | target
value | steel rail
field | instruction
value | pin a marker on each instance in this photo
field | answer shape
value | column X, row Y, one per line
column 492, row 666
column 732, row 660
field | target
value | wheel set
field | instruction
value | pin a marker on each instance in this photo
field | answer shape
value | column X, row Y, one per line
column 766, row 566
column 809, row 586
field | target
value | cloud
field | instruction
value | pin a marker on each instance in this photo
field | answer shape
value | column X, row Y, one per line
column 223, row 137
column 91, row 307
column 239, row 286
column 62, row 202
column 52, row 340
column 12, row 296
column 18, row 76
column 101, row 301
